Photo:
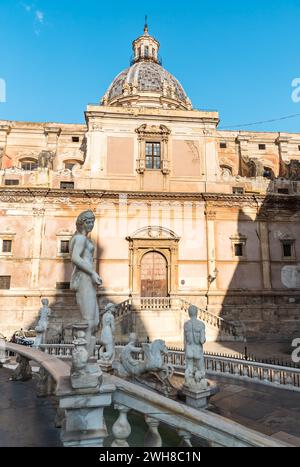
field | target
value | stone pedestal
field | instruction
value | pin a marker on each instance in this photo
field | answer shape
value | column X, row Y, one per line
column 106, row 367
column 199, row 398
column 84, row 424
column 90, row 378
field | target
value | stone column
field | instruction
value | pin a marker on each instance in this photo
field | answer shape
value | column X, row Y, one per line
column 4, row 131
column 52, row 133
column 211, row 253
column 243, row 150
column 283, row 144
column 265, row 254
column 96, row 149
column 38, row 229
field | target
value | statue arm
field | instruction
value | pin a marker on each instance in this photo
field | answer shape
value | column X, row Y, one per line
column 77, row 250
column 202, row 335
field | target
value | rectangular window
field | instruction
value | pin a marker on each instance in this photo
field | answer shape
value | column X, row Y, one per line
column 261, row 147
column 6, row 246
column 299, row 147
column 11, row 182
column 223, row 145
column 236, row 190
column 4, row 282
column 62, row 285
column 238, row 249
column 146, row 51
column 283, row 191
column 29, row 165
column 64, row 246
column 75, row 139
column 67, row 185
column 153, row 155
column 287, row 249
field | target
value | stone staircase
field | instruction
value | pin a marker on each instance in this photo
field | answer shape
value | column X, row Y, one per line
column 163, row 317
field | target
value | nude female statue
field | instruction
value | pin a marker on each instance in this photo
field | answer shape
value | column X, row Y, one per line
column 84, row 278
column 107, row 351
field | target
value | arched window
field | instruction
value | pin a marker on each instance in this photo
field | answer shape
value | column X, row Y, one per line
column 29, row 164
column 268, row 173
column 226, row 171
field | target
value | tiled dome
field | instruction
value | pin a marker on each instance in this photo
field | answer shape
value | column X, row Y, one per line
column 146, row 82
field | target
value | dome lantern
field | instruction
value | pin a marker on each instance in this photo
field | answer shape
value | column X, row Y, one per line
column 145, row 47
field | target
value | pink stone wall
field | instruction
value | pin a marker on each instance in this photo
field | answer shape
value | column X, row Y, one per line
column 185, row 158
column 119, row 155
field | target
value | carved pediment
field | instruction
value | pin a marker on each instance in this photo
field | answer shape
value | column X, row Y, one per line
column 153, row 232
column 152, row 130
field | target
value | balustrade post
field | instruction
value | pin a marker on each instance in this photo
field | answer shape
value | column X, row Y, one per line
column 152, row 438
column 186, row 439
column 121, row 428
column 45, row 384
column 81, row 412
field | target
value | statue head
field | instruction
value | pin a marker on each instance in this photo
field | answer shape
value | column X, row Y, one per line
column 193, row 311
column 45, row 301
column 132, row 338
column 85, row 221
column 110, row 307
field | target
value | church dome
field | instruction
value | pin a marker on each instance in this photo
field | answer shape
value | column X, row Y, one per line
column 146, row 83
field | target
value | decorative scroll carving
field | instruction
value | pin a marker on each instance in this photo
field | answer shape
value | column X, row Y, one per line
column 152, row 130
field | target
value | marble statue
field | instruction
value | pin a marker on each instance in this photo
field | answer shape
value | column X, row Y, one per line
column 84, row 278
column 23, row 371
column 41, row 328
column 107, row 350
column 153, row 358
column 194, row 338
column 83, row 374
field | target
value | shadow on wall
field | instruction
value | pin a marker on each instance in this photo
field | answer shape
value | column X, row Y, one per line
column 65, row 311
column 263, row 296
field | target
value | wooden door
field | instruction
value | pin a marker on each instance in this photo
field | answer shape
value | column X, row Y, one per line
column 154, row 274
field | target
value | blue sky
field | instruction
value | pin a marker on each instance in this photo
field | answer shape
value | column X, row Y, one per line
column 238, row 57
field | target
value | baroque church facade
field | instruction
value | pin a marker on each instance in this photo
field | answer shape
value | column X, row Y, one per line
column 185, row 213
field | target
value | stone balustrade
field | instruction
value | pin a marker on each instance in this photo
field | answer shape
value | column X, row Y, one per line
column 187, row 422
column 155, row 303
column 82, row 414
column 274, row 375
column 213, row 320
column 123, row 309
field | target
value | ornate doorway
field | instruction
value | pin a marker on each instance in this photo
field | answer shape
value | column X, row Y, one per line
column 154, row 275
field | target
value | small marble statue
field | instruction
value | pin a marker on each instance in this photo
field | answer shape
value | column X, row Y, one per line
column 84, row 278
column 153, row 358
column 107, row 350
column 41, row 328
column 23, row 371
column 194, row 338
column 83, row 374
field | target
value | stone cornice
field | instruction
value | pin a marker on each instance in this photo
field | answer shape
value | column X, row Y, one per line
column 197, row 116
column 289, row 201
